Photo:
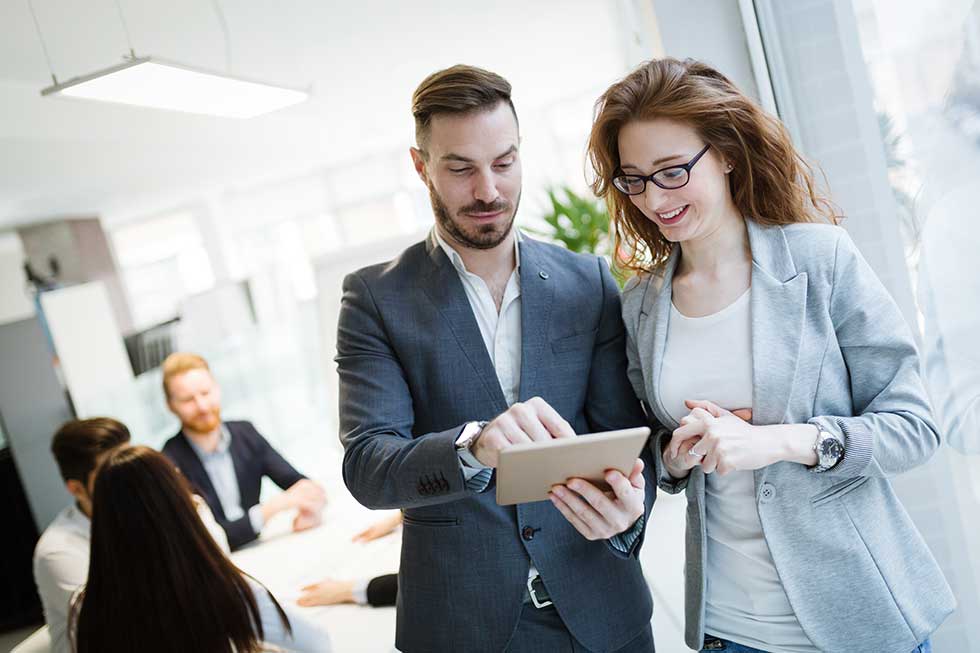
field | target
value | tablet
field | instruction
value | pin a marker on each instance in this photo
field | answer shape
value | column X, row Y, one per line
column 526, row 472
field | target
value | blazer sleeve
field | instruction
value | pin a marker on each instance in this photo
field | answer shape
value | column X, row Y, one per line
column 274, row 465
column 384, row 465
column 239, row 531
column 892, row 428
column 612, row 402
column 382, row 590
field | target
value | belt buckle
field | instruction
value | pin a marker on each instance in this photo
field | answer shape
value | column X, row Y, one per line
column 713, row 644
column 533, row 594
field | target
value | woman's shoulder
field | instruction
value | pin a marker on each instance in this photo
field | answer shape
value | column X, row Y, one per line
column 817, row 246
column 807, row 235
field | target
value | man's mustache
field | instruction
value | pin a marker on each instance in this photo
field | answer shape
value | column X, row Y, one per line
column 482, row 207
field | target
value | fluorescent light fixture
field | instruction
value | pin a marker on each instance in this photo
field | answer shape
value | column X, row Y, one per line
column 151, row 82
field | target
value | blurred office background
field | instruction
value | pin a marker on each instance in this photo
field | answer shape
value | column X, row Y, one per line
column 127, row 233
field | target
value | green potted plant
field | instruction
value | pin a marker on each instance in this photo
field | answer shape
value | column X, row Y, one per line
column 580, row 224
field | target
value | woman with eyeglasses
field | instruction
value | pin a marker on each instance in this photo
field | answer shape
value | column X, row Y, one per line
column 748, row 296
column 158, row 582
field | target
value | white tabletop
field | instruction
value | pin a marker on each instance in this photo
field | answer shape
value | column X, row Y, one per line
column 284, row 562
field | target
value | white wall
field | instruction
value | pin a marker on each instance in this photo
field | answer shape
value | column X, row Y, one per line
column 15, row 302
column 88, row 342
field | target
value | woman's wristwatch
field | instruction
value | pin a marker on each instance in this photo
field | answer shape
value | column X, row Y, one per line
column 829, row 451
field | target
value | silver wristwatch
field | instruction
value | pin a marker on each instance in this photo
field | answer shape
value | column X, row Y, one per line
column 464, row 443
column 829, row 451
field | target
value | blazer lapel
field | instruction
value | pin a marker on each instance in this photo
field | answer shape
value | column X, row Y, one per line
column 537, row 295
column 654, row 320
column 445, row 290
column 778, row 315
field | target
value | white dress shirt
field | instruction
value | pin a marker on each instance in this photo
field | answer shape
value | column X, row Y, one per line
column 503, row 339
column 220, row 468
column 61, row 567
column 501, row 330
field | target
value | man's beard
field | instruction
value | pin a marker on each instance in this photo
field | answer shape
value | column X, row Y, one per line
column 207, row 423
column 485, row 236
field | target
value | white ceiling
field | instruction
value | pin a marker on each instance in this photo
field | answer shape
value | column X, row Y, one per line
column 363, row 59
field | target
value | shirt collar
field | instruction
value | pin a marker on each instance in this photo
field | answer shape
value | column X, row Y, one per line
column 77, row 520
column 224, row 442
column 457, row 260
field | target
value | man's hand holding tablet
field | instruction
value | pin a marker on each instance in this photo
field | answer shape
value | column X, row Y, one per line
column 530, row 421
column 595, row 513
column 599, row 515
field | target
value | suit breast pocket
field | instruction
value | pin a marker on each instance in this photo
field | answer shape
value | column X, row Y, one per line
column 574, row 342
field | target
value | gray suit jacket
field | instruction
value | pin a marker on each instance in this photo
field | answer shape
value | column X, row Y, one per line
column 829, row 347
column 413, row 370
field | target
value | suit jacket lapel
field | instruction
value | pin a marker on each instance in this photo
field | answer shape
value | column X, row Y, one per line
column 445, row 290
column 778, row 315
column 537, row 295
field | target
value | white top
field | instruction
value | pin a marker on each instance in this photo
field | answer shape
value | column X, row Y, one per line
column 711, row 358
column 61, row 564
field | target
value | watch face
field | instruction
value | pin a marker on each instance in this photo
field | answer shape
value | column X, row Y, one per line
column 831, row 448
column 470, row 431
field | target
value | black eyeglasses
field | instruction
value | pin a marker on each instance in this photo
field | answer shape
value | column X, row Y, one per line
column 667, row 178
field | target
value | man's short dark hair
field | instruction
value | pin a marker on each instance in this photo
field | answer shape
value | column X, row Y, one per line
column 80, row 444
column 456, row 90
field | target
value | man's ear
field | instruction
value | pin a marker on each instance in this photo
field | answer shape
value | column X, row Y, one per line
column 76, row 488
column 418, row 161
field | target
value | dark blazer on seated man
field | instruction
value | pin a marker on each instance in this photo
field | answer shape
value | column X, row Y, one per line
column 252, row 456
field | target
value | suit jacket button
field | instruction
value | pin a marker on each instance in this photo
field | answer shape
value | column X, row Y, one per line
column 527, row 533
column 768, row 493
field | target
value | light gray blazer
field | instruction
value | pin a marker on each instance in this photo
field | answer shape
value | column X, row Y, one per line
column 829, row 347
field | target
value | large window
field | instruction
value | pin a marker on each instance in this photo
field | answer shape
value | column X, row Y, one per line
column 924, row 65
column 885, row 96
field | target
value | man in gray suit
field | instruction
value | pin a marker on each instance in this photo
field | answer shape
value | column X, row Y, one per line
column 470, row 341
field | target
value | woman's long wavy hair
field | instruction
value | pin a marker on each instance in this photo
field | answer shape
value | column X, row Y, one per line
column 770, row 182
column 157, row 581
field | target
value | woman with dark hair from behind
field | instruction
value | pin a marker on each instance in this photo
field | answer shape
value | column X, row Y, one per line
column 157, row 581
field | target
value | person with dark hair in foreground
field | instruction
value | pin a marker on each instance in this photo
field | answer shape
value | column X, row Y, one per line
column 157, row 581
column 61, row 555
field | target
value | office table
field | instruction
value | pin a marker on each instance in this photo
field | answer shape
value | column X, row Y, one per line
column 284, row 562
